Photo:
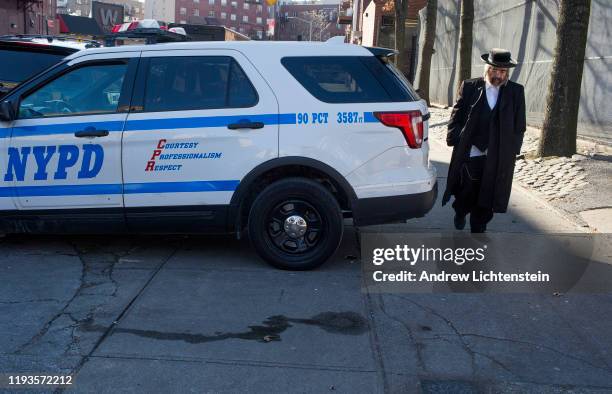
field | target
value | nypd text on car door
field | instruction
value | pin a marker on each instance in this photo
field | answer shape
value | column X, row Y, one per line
column 64, row 148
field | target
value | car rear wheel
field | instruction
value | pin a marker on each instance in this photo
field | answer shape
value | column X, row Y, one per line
column 295, row 224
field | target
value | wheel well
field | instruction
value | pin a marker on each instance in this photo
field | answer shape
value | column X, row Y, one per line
column 278, row 173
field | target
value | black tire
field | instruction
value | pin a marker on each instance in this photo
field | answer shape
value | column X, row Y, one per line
column 286, row 249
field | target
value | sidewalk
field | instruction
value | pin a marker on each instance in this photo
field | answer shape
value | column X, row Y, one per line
column 579, row 186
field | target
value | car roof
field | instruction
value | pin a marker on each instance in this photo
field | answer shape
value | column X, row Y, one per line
column 272, row 49
column 59, row 43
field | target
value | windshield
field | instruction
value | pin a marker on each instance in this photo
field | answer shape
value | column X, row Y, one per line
column 17, row 65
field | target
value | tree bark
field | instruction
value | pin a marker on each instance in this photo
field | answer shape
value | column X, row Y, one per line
column 465, row 41
column 427, row 49
column 563, row 99
column 401, row 11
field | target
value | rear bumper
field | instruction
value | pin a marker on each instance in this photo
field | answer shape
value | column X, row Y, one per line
column 389, row 209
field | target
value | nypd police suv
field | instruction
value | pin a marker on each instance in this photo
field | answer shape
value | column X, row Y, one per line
column 284, row 140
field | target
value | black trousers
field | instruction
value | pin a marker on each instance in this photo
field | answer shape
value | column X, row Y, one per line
column 466, row 200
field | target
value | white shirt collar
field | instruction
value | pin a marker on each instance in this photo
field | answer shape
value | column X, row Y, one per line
column 489, row 86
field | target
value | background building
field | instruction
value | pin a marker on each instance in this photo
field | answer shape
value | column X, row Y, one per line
column 253, row 18
column 162, row 10
column 528, row 30
column 295, row 19
column 372, row 23
column 132, row 9
column 29, row 17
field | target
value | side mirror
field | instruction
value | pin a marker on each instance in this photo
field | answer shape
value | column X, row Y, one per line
column 6, row 111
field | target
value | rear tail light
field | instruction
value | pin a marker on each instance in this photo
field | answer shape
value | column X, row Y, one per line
column 409, row 122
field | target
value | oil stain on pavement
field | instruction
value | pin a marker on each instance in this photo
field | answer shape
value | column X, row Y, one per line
column 345, row 323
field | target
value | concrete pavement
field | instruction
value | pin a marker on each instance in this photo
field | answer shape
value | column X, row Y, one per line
column 204, row 314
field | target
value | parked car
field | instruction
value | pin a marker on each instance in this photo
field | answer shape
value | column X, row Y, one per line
column 23, row 56
column 284, row 140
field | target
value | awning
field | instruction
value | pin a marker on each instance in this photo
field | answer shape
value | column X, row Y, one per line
column 79, row 25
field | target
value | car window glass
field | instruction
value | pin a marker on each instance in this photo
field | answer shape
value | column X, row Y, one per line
column 336, row 79
column 94, row 89
column 350, row 79
column 241, row 91
column 203, row 82
column 392, row 79
column 30, row 63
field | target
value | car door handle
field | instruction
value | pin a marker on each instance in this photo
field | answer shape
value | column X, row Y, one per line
column 91, row 132
column 245, row 125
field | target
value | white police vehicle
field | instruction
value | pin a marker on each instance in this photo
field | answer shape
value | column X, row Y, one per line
column 282, row 139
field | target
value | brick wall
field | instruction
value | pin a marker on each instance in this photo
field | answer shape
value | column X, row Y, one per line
column 250, row 17
column 36, row 18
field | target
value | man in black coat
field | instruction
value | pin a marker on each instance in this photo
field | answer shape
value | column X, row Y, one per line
column 486, row 131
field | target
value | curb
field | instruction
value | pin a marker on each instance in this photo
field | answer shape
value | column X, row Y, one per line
column 572, row 219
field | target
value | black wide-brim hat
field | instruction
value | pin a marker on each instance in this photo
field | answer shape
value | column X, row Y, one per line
column 499, row 58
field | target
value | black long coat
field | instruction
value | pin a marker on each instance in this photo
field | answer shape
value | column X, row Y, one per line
column 504, row 142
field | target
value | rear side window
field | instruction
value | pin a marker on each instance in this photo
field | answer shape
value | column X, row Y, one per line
column 348, row 79
column 203, row 82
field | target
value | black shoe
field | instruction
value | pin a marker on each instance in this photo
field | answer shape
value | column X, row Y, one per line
column 459, row 222
column 479, row 229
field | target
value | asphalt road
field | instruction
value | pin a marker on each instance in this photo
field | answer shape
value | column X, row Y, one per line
column 205, row 314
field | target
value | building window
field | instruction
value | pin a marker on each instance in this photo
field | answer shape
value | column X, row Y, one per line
column 245, row 18
column 259, row 34
column 196, row 1
column 234, row 4
column 183, row 11
column 196, row 12
column 246, row 6
column 259, row 20
column 241, row 30
column 233, row 17
column 223, row 15
column 211, row 14
column 223, row 2
column 211, row 2
column 270, row 10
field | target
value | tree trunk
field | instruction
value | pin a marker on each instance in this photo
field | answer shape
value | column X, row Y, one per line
column 561, row 114
column 401, row 11
column 427, row 49
column 465, row 41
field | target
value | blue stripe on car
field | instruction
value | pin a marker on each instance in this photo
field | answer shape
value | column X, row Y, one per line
column 128, row 188
column 147, row 124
